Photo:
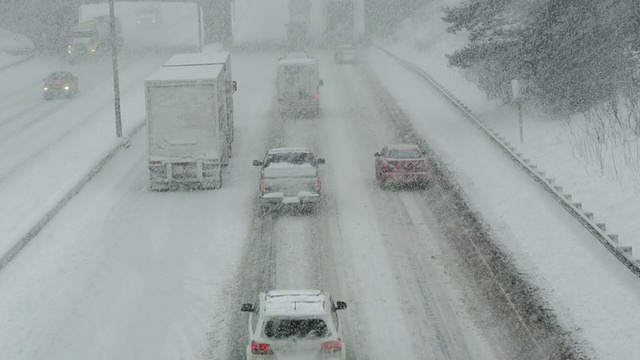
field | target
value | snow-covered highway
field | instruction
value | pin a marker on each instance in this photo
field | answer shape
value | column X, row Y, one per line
column 122, row 272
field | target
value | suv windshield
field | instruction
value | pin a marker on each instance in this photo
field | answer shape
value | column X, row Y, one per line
column 404, row 154
column 297, row 158
column 282, row 328
column 59, row 76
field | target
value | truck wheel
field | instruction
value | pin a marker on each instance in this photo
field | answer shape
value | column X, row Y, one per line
column 263, row 210
column 382, row 183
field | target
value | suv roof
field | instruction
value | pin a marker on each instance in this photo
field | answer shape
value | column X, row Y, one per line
column 60, row 75
column 295, row 302
column 403, row 147
column 288, row 150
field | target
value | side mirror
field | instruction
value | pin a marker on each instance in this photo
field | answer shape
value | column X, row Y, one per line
column 257, row 163
column 234, row 85
column 340, row 305
column 247, row 307
column 376, row 154
column 321, row 83
column 424, row 153
column 320, row 160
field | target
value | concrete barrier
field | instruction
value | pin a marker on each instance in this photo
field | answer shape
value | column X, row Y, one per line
column 55, row 209
column 611, row 241
column 18, row 59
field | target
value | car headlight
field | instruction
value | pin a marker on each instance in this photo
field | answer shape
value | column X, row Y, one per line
column 46, row 88
column 66, row 87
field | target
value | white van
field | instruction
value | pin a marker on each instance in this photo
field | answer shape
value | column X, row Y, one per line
column 298, row 85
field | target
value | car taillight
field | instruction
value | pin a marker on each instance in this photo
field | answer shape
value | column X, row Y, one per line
column 155, row 163
column 387, row 167
column 318, row 185
column 260, row 348
column 262, row 186
column 331, row 346
column 318, row 96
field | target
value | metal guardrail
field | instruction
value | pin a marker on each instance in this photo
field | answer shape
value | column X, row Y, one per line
column 623, row 253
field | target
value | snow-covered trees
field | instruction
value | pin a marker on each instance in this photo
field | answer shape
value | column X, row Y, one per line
column 576, row 54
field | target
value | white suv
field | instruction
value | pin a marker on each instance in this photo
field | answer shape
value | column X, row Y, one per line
column 300, row 324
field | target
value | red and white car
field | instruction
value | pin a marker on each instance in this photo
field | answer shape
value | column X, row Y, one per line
column 295, row 324
column 60, row 84
column 402, row 164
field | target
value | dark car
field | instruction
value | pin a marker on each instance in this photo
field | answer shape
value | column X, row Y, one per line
column 60, row 84
column 402, row 164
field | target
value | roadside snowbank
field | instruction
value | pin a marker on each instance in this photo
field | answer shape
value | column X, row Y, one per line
column 604, row 177
column 14, row 48
column 595, row 296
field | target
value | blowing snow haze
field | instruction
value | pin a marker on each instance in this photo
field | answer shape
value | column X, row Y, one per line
column 335, row 179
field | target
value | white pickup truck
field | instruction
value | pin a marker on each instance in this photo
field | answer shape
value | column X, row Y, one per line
column 289, row 176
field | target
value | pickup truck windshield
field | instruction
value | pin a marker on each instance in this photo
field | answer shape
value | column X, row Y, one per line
column 297, row 158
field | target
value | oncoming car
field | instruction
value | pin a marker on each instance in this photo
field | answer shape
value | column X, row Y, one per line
column 402, row 164
column 60, row 84
column 296, row 324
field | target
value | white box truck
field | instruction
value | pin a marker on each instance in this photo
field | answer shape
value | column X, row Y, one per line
column 186, row 117
column 217, row 58
column 298, row 84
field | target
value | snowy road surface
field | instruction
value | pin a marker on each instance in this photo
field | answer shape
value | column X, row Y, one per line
column 51, row 144
column 126, row 273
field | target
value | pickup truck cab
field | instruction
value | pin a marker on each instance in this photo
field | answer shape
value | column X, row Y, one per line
column 289, row 176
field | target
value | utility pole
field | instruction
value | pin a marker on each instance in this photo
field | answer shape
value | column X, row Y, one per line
column 516, row 93
column 116, row 78
column 200, row 29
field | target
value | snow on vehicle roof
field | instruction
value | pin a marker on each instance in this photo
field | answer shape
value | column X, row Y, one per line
column 297, row 55
column 404, row 146
column 295, row 302
column 186, row 73
column 198, row 59
column 60, row 75
column 84, row 26
column 288, row 150
column 298, row 61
